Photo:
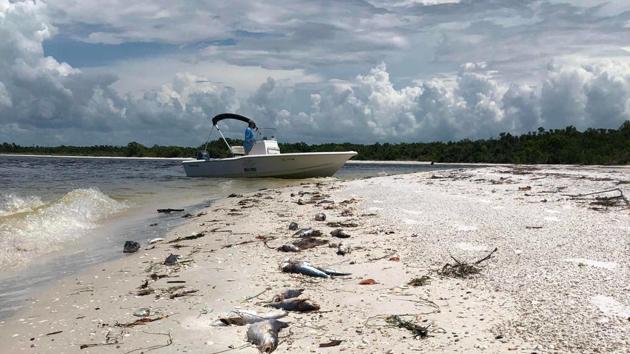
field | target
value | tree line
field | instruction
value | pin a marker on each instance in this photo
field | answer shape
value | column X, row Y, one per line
column 555, row 146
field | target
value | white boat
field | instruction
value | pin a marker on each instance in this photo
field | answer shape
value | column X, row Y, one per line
column 265, row 160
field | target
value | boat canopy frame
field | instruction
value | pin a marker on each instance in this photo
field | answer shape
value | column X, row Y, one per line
column 219, row 117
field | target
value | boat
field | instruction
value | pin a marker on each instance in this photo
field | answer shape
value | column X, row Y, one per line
column 264, row 159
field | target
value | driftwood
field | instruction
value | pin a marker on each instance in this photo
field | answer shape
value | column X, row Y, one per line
column 168, row 210
column 463, row 269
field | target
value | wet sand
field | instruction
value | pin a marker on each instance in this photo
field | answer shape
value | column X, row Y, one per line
column 559, row 280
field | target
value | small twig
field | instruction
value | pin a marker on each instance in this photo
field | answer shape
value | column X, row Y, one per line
column 255, row 296
column 154, row 347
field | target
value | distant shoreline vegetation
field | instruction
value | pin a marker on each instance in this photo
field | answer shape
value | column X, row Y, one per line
column 556, row 146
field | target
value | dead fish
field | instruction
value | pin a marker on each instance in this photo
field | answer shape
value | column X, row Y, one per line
column 309, row 242
column 307, row 233
column 342, row 249
column 293, row 226
column 289, row 248
column 171, row 259
column 244, row 317
column 339, row 233
column 320, row 217
column 299, row 305
column 287, row 294
column 264, row 334
column 306, row 268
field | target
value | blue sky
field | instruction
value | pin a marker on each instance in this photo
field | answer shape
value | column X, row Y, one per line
column 108, row 72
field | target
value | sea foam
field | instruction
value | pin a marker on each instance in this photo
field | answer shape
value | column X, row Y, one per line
column 30, row 227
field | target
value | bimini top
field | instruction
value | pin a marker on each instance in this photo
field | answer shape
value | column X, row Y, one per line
column 223, row 116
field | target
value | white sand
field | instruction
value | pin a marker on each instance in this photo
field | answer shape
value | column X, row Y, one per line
column 527, row 298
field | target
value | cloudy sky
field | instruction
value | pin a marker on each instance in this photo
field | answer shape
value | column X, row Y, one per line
column 89, row 72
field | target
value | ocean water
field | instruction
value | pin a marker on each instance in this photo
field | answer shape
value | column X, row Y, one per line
column 59, row 215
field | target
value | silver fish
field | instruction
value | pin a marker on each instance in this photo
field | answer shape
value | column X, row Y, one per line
column 264, row 334
column 299, row 305
column 307, row 233
column 303, row 267
column 244, row 317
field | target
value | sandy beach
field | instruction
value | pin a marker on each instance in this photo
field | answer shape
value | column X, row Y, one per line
column 559, row 280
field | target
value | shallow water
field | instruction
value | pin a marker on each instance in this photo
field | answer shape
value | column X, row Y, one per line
column 59, row 215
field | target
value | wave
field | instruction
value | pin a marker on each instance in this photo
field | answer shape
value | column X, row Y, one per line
column 30, row 227
column 12, row 204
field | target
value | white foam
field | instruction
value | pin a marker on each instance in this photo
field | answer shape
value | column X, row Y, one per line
column 374, row 209
column 551, row 218
column 610, row 306
column 593, row 263
column 42, row 229
column 12, row 204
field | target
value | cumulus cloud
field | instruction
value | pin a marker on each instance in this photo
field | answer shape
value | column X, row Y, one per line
column 45, row 101
column 472, row 105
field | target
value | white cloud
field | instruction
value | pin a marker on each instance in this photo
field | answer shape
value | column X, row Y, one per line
column 45, row 101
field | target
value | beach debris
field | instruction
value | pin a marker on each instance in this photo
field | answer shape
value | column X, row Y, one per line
column 342, row 224
column 342, row 249
column 245, row 317
column 168, row 210
column 288, row 248
column 264, row 334
column 145, row 291
column 131, row 247
column 309, row 242
column 287, row 294
column 347, row 212
column 234, row 195
column 142, row 312
column 53, row 333
column 140, row 321
column 417, row 330
column 190, row 237
column 172, row 259
column 463, row 269
column 320, row 217
column 348, row 201
column 295, row 304
column 605, row 201
column 293, row 226
column 340, row 233
column 368, row 281
column 394, row 258
column 179, row 291
column 308, row 232
column 526, row 188
column 422, row 281
column 187, row 215
column 156, row 240
column 305, row 268
column 332, row 343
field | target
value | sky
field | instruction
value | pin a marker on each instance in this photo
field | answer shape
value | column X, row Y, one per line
column 86, row 72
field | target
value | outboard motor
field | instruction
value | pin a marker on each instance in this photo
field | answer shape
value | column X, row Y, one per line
column 203, row 155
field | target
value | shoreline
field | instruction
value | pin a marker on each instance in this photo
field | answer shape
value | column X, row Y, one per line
column 419, row 219
column 351, row 162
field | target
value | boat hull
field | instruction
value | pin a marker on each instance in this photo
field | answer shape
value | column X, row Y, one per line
column 297, row 165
